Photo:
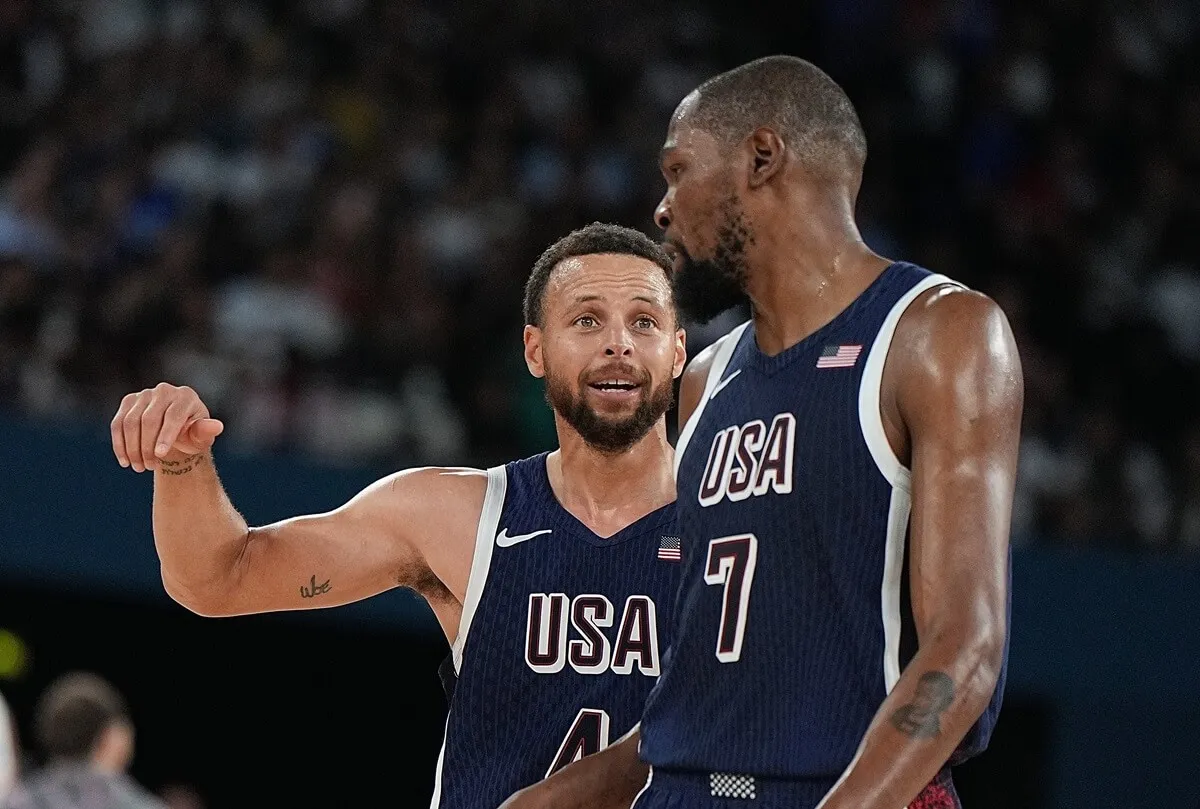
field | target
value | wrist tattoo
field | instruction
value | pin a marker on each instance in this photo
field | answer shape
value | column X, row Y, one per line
column 313, row 588
column 182, row 466
column 922, row 718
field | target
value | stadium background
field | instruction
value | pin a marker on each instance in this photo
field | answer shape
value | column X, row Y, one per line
column 320, row 214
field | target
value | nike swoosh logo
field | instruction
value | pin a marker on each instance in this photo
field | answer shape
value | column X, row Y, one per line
column 721, row 386
column 505, row 541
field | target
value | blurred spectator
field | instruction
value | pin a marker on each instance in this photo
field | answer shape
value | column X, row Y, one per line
column 9, row 754
column 84, row 733
column 320, row 214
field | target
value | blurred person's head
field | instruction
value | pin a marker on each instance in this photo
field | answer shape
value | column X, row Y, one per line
column 601, row 328
column 82, row 718
column 772, row 149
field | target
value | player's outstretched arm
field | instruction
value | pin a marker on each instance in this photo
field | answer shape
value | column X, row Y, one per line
column 959, row 394
column 215, row 564
column 610, row 779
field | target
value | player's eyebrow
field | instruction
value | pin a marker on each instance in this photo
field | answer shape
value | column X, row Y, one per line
column 642, row 298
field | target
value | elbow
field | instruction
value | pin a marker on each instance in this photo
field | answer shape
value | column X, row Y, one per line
column 982, row 661
column 204, row 603
column 207, row 584
column 972, row 655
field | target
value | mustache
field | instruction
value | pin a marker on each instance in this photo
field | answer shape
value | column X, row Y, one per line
column 617, row 369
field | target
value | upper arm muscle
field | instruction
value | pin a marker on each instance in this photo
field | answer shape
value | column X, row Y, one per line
column 413, row 528
column 959, row 394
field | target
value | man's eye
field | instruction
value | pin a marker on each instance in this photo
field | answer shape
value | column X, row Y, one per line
column 646, row 323
column 587, row 321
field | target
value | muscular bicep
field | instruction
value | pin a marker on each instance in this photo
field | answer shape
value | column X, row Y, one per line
column 394, row 533
column 959, row 395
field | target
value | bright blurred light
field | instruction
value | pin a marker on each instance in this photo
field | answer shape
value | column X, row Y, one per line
column 13, row 655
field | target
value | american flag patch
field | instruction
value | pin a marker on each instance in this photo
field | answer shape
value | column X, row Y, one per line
column 839, row 356
column 668, row 548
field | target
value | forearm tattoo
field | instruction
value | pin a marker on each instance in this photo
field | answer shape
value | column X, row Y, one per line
column 922, row 718
column 181, row 467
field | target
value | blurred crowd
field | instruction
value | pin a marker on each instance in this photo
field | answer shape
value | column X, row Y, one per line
column 78, row 752
column 320, row 213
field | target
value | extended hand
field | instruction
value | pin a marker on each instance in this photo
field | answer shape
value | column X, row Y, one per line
column 166, row 422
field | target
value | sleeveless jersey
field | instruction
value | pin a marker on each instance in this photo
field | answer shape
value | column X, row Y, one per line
column 561, row 638
column 793, row 621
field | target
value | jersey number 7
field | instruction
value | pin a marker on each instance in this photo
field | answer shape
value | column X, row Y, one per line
column 731, row 563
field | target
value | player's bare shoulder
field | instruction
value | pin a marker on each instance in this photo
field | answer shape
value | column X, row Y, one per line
column 953, row 349
column 438, row 509
column 695, row 376
column 437, row 481
column 950, row 326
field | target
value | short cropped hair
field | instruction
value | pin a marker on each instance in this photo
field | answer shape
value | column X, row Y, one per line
column 808, row 109
column 73, row 712
column 594, row 239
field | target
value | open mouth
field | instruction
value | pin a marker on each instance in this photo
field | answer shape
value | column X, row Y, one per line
column 617, row 386
column 613, row 385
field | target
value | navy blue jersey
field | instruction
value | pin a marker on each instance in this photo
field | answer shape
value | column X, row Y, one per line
column 561, row 638
column 793, row 621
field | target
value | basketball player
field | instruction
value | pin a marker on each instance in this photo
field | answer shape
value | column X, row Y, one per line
column 845, row 479
column 549, row 575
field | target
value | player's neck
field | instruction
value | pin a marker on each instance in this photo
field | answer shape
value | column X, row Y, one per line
column 609, row 492
column 805, row 269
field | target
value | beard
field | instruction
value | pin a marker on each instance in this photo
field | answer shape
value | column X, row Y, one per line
column 610, row 435
column 704, row 288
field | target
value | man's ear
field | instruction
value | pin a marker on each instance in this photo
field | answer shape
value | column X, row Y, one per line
column 767, row 153
column 680, row 353
column 533, row 351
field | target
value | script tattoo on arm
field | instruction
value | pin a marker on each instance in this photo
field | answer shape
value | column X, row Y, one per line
column 181, row 467
column 313, row 588
column 921, row 718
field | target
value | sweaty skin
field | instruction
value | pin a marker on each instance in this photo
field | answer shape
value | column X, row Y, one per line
column 783, row 232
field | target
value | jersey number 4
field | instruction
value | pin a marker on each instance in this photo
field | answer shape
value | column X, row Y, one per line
column 588, row 734
column 731, row 563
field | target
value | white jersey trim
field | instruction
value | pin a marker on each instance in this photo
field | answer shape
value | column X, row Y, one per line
column 893, row 571
column 899, row 476
column 481, row 564
column 715, row 372
column 436, row 802
column 646, row 786
column 869, row 416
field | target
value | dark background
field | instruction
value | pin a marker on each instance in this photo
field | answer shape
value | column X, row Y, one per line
column 266, row 712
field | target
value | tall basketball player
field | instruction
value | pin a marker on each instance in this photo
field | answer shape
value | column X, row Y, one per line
column 845, row 479
column 549, row 575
